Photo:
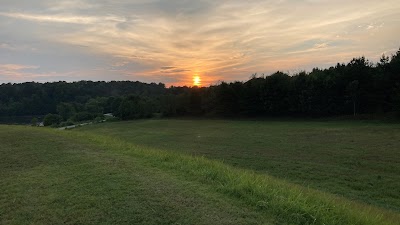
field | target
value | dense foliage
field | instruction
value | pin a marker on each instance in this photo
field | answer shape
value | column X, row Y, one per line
column 356, row 87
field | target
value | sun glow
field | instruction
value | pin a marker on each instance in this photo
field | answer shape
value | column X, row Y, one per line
column 196, row 80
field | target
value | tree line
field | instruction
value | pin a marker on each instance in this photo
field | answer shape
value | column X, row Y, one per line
column 358, row 87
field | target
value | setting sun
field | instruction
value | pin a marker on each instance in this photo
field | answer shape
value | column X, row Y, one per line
column 196, row 81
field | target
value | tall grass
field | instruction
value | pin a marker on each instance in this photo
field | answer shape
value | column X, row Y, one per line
column 288, row 203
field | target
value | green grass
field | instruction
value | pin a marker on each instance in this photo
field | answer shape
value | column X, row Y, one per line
column 53, row 177
column 48, row 177
column 357, row 160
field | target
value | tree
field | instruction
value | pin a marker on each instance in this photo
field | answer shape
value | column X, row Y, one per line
column 352, row 89
column 66, row 110
column 34, row 121
column 83, row 116
column 95, row 106
column 384, row 60
column 52, row 119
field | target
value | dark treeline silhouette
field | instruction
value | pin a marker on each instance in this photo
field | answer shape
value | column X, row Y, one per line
column 358, row 87
column 36, row 98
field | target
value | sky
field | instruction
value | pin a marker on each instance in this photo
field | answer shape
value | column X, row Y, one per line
column 173, row 41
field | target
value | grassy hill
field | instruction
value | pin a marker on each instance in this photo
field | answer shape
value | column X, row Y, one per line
column 358, row 160
column 121, row 173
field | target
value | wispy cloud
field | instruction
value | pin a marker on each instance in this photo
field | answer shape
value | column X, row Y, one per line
column 13, row 47
column 16, row 67
column 60, row 18
column 16, row 73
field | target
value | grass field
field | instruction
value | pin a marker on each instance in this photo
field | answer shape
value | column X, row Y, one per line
column 135, row 173
column 48, row 178
column 359, row 160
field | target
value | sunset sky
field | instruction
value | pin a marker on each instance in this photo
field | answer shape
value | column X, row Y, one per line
column 174, row 41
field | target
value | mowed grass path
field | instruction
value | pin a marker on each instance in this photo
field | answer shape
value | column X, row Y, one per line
column 47, row 178
column 357, row 160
